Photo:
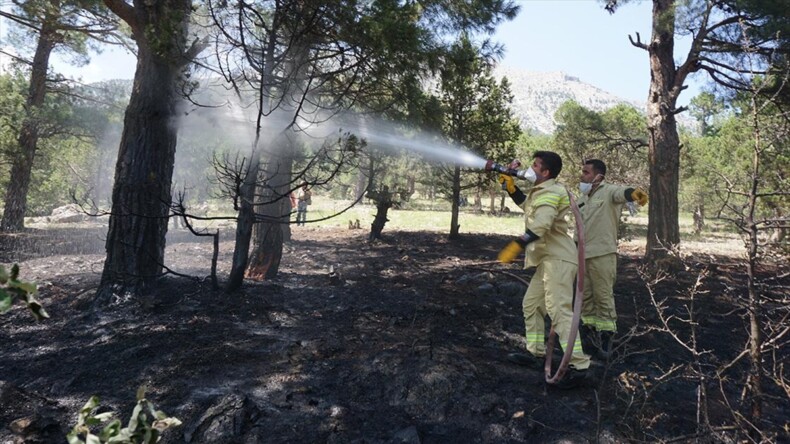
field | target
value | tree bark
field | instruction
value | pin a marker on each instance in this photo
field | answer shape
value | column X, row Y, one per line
column 383, row 201
column 360, row 187
column 382, row 208
column 492, row 201
column 456, row 196
column 754, row 381
column 144, row 169
column 246, row 218
column 245, row 222
column 22, row 167
column 275, row 211
column 663, row 231
column 699, row 218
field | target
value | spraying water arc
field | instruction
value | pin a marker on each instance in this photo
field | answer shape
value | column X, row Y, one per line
column 425, row 145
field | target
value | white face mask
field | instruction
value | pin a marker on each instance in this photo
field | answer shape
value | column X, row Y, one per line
column 530, row 175
column 586, row 188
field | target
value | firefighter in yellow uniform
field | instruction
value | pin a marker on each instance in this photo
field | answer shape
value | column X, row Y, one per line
column 600, row 205
column 550, row 248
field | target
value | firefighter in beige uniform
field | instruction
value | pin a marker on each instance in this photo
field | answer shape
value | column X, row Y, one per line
column 553, row 252
column 600, row 205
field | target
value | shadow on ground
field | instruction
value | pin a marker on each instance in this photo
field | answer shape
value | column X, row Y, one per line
column 408, row 345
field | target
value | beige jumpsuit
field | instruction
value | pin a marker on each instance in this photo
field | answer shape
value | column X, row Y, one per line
column 601, row 214
column 554, row 254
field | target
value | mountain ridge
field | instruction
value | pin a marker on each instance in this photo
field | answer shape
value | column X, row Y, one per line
column 538, row 95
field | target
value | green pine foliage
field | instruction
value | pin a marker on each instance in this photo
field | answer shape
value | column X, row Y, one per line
column 13, row 88
column 12, row 289
column 145, row 426
column 617, row 136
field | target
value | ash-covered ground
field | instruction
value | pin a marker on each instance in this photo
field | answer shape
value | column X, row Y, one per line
column 405, row 342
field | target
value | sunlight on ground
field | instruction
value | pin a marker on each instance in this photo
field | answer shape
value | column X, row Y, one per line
column 435, row 217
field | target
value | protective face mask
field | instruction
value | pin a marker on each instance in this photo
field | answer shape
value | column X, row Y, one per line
column 530, row 175
column 585, row 187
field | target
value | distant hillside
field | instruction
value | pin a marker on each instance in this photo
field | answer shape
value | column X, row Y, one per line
column 538, row 95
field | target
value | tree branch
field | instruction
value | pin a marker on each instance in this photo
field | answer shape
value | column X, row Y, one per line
column 124, row 11
column 638, row 43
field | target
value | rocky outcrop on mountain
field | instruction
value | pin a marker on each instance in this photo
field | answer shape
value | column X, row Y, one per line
column 538, row 95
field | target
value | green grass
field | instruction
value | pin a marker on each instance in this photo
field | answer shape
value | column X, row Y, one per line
column 414, row 220
column 435, row 216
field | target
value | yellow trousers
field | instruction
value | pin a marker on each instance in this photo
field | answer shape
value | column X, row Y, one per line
column 598, row 310
column 551, row 292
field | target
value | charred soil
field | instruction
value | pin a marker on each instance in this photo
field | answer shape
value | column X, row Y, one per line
column 404, row 341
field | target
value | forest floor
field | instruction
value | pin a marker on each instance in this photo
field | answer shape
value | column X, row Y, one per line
column 407, row 342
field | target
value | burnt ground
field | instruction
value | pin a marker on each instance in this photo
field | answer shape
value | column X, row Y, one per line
column 407, row 345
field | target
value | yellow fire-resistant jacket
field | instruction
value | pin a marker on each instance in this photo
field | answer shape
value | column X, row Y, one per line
column 546, row 208
column 601, row 214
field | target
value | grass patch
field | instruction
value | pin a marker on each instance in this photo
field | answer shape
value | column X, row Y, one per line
column 425, row 215
column 419, row 220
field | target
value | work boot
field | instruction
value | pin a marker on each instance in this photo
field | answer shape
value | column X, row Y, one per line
column 526, row 360
column 588, row 339
column 573, row 379
column 605, row 351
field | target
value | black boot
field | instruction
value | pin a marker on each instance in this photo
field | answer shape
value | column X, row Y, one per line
column 605, row 350
column 588, row 337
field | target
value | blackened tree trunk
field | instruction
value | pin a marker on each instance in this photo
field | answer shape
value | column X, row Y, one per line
column 456, row 196
column 380, row 220
column 22, row 167
column 143, row 172
column 274, row 203
column 245, row 221
column 275, row 212
column 384, row 202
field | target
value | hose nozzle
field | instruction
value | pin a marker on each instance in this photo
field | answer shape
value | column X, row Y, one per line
column 493, row 166
column 509, row 170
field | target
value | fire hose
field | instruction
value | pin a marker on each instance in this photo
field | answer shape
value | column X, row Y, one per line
column 577, row 306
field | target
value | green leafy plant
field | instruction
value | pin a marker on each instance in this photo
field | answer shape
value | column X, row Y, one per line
column 145, row 426
column 11, row 289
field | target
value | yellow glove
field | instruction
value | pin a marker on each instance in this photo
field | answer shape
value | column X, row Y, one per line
column 515, row 247
column 510, row 252
column 639, row 197
column 507, row 183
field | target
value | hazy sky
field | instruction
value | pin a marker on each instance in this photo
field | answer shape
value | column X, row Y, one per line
column 577, row 37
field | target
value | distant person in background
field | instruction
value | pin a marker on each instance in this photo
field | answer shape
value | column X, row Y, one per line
column 292, row 198
column 600, row 205
column 303, row 199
